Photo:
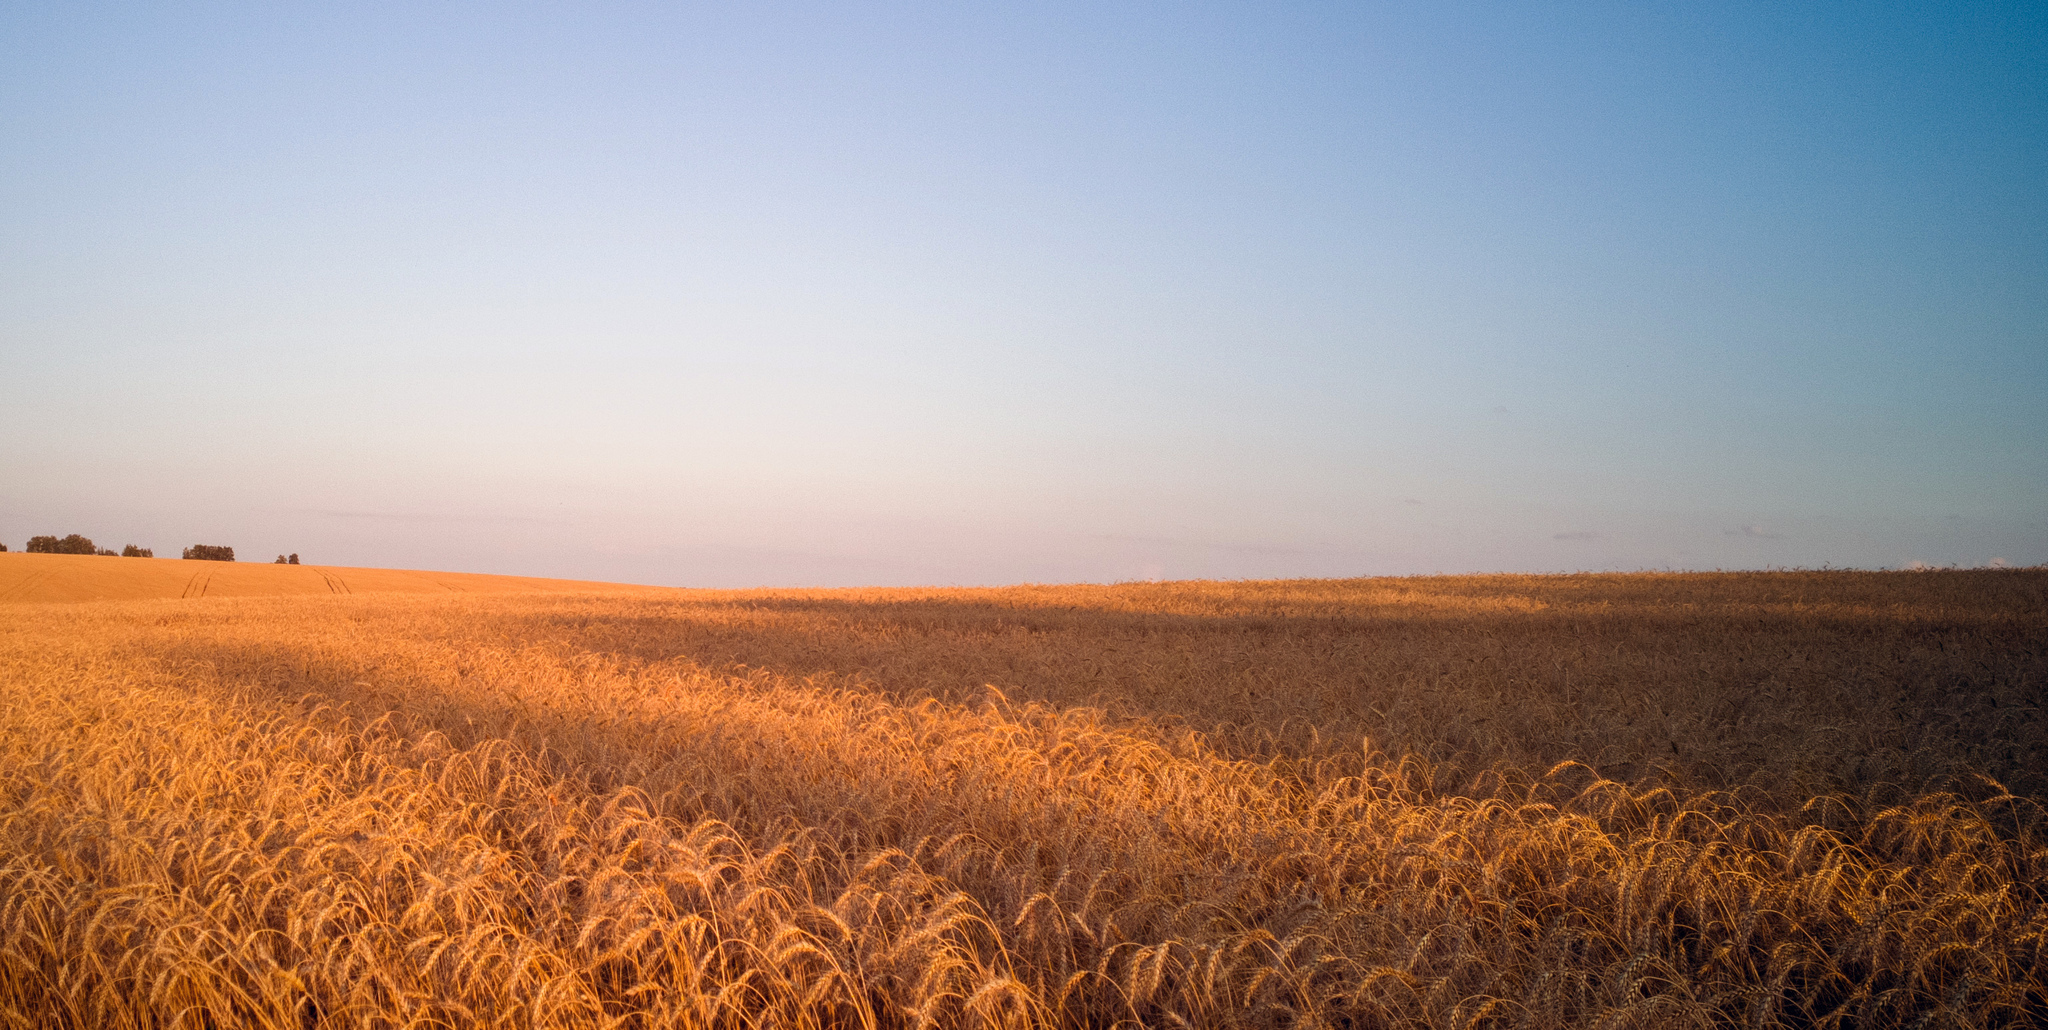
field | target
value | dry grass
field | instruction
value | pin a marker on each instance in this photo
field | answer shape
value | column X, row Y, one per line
column 1765, row 800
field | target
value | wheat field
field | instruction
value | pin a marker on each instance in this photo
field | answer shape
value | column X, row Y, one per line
column 1777, row 800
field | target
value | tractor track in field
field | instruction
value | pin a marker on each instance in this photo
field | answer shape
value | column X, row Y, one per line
column 334, row 583
column 196, row 586
column 22, row 587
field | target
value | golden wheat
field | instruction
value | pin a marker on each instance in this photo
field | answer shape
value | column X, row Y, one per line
column 1773, row 800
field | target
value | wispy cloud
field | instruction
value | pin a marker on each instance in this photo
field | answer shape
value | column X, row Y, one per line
column 1756, row 532
column 1577, row 534
column 401, row 516
column 1212, row 545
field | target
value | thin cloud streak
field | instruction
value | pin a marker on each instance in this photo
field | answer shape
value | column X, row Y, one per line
column 397, row 516
column 1214, row 545
column 1755, row 533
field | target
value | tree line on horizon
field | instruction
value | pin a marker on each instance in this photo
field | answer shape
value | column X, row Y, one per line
column 76, row 543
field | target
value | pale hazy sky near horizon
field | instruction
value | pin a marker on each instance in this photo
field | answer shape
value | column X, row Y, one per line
column 904, row 294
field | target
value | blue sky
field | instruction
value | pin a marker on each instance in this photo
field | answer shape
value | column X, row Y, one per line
column 846, row 294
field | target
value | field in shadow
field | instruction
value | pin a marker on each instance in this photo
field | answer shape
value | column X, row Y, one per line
column 1797, row 682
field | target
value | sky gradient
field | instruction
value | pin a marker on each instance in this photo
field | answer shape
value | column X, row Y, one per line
column 863, row 294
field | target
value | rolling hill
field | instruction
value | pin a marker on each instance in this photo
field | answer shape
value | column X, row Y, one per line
column 45, row 578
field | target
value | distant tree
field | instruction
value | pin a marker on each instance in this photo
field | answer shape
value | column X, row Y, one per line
column 3, row 548
column 279, row 561
column 73, row 544
column 293, row 560
column 209, row 552
column 132, row 551
column 108, row 551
